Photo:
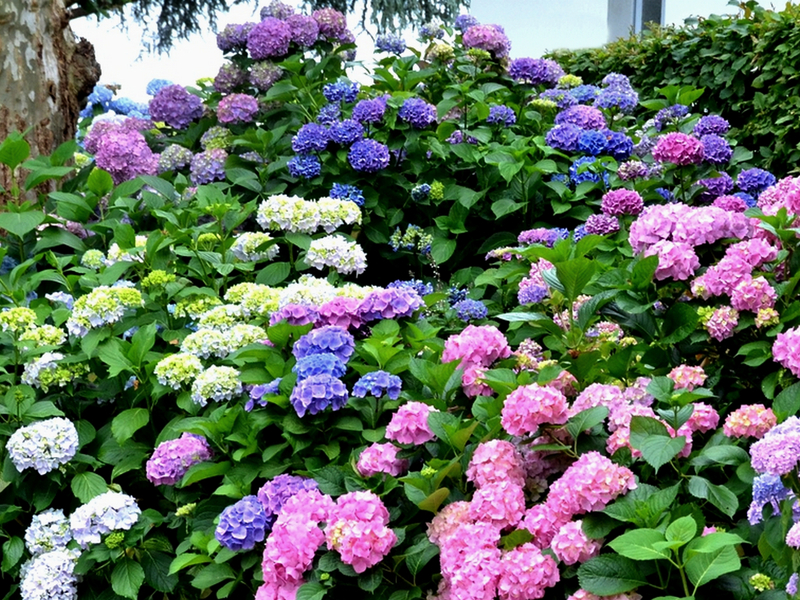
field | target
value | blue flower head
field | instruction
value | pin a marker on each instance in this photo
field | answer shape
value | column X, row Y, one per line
column 316, row 393
column 305, row 166
column 471, row 310
column 243, row 524
column 319, row 364
column 342, row 191
column 325, row 340
column 378, row 383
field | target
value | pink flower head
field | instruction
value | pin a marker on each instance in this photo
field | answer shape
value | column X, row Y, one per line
column 496, row 460
column 447, row 522
column 525, row 573
column 381, row 458
column 473, row 382
column 786, row 350
column 784, row 194
column 565, row 383
column 571, row 545
column 704, row 418
column 237, row 108
column 409, row 425
column 678, row 148
column 676, row 260
column 656, row 222
column 753, row 295
column 470, row 562
column 598, row 394
column 529, row 406
column 501, row 503
column 687, row 378
column 730, row 203
column 722, row 322
column 622, row 202
column 543, row 521
column 584, row 595
column 341, row 311
column 491, row 38
column 793, row 536
column 479, row 345
column 357, row 530
column 751, row 420
column 754, row 251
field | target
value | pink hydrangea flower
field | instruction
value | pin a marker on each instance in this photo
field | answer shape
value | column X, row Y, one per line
column 237, row 108
column 753, row 295
column 722, row 322
column 754, row 251
column 470, row 562
column 584, row 595
column 786, row 350
column 622, row 202
column 751, row 420
column 357, row 530
column 496, row 460
column 656, row 223
column 448, row 521
column 565, row 383
column 525, row 573
column 473, row 383
column 708, row 530
column 529, row 406
column 571, row 545
column 598, row 394
column 687, row 378
column 784, row 194
column 501, row 503
column 381, row 458
column 341, row 312
column 678, row 148
column 703, row 419
column 409, row 425
column 543, row 521
column 793, row 536
column 676, row 260
column 478, row 345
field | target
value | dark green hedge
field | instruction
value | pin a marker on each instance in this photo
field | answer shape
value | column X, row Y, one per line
column 748, row 64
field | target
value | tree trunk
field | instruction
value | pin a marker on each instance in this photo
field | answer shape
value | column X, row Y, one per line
column 46, row 73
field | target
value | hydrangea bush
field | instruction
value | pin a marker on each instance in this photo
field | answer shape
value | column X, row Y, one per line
column 260, row 344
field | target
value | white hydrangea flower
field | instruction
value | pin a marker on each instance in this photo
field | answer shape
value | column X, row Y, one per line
column 46, row 335
column 288, row 213
column 102, row 306
column 338, row 253
column 205, row 343
column 50, row 576
column 221, row 317
column 334, row 213
column 307, row 290
column 48, row 531
column 256, row 300
column 107, row 512
column 240, row 336
column 44, row 445
column 116, row 254
column 246, row 244
column 177, row 369
column 17, row 320
column 93, row 259
column 216, row 383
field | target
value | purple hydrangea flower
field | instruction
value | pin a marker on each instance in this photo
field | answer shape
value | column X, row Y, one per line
column 419, row 286
column 208, row 166
column 269, row 38
column 319, row 364
column 237, row 108
column 346, row 132
column 585, row 94
column 767, row 489
column 491, row 38
column 464, row 22
column 564, row 137
column 391, row 303
column 632, row 169
column 173, row 458
column 670, row 115
column 347, row 192
column 716, row 149
column 304, row 166
column 755, row 181
column 711, row 124
column 125, row 154
column 602, row 224
column 304, row 30
column 370, row 111
column 316, row 393
column 531, row 294
column 276, row 492
column 264, row 74
column 329, row 115
column 716, row 186
column 257, row 393
column 618, row 145
column 585, row 117
column 243, row 524
column 535, row 71
column 325, row 340
column 616, row 80
column 390, row 42
column 791, row 585
column 778, row 451
column 332, row 24
column 234, row 37
column 471, row 310
column 229, row 78
column 543, row 235
column 342, row 91
column 378, row 383
column 310, row 138
column 418, row 113
column 368, row 156
column 457, row 137
column 622, row 99
column 592, row 142
column 175, row 106
column 562, row 98
column 295, row 314
column 500, row 114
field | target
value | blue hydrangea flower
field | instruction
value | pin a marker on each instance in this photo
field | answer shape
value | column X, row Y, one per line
column 101, row 95
column 378, row 383
column 580, row 232
column 470, row 310
column 420, row 192
column 585, row 94
column 716, row 149
column 430, row 31
column 767, row 489
column 311, row 137
column 324, row 340
column 562, row 98
column 618, row 145
column 341, row 191
column 624, row 100
column 419, row 286
column 346, row 91
column 711, row 124
column 755, row 181
column 346, row 132
column 666, row 194
column 455, row 295
column 592, row 142
column 329, row 114
column 306, row 166
column 319, row 364
column 748, row 199
column 389, row 42
column 316, row 393
column 368, row 156
column 243, row 524
column 500, row 114
column 670, row 115
column 370, row 111
column 155, row 85
column 532, row 294
column 578, row 175
column 564, row 137
column 464, row 22
column 258, row 392
column 417, row 112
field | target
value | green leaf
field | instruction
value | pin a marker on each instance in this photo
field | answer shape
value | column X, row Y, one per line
column 20, row 223
column 420, row 554
column 434, row 501
column 610, row 574
column 127, row 578
column 704, row 567
column 712, row 542
column 638, row 544
column 42, row 410
column 718, row 495
column 187, row 560
column 87, row 485
column 651, row 438
column 311, row 591
column 99, row 182
column 787, row 403
column 211, row 575
column 721, row 455
column 128, row 422
column 274, row 273
column 679, row 322
column 12, row 552
column 141, row 343
column 586, row 419
column 371, row 580
column 575, row 275
column 156, row 567
column 681, row 530
column 14, row 150
column 643, row 271
column 38, row 176
column 516, row 538
column 72, row 207
column 202, row 471
column 442, row 249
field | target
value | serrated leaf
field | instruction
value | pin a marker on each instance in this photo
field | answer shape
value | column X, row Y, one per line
column 20, row 223
column 128, row 422
column 713, row 542
column 609, row 574
column 718, row 495
column 787, row 403
column 87, row 485
column 127, row 578
column 638, row 544
column 651, row 438
column 420, row 554
column 681, row 530
column 586, row 419
column 704, row 567
column 212, row 575
column 12, row 552
column 311, row 591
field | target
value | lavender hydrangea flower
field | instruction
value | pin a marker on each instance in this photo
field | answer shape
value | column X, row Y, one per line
column 778, row 451
column 592, row 142
column 767, row 489
column 319, row 364
column 295, row 314
column 471, row 310
column 716, row 150
column 417, row 112
column 155, row 85
column 669, row 116
column 50, row 576
column 316, row 393
column 269, row 38
column 585, row 117
column 464, row 22
column 543, row 235
column 341, row 91
column 391, row 303
column 716, row 186
column 125, row 155
column 208, row 166
column 304, row 166
column 342, row 191
column 228, row 78
column 332, row 24
column 275, row 493
column 48, row 531
column 243, row 524
column 532, row 294
column 172, row 459
column 304, row 29
column 370, row 111
column 755, row 181
column 535, row 71
column 491, row 38
column 258, row 392
column 562, row 98
column 103, row 514
column 346, row 132
column 310, row 138
column 711, row 124
column 44, row 445
column 368, row 156
column 277, row 9
column 792, row 584
column 419, row 286
column 390, row 42
column 623, row 99
column 237, row 108
column 378, row 383
column 175, row 106
column 264, row 74
column 564, row 137
column 233, row 38
column 500, row 114
column 602, row 224
column 325, row 340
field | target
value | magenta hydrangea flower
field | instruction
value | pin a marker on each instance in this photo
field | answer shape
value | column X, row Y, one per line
column 470, row 561
column 277, row 491
column 175, row 106
column 750, row 420
column 409, row 424
column 389, row 303
column 602, row 224
column 570, row 544
column 678, row 148
column 237, row 108
column 381, row 458
column 341, row 312
column 622, row 202
column 786, row 350
column 529, row 406
column 170, row 461
column 525, row 573
column 491, row 38
column 687, row 377
column 269, row 38
column 753, row 294
column 730, row 203
column 501, row 503
column 496, row 460
column 722, row 322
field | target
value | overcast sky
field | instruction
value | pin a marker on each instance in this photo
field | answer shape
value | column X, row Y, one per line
column 534, row 26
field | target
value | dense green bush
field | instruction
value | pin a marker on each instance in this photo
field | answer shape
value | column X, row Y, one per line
column 747, row 63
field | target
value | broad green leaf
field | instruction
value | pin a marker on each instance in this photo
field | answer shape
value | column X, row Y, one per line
column 156, row 565
column 704, row 567
column 128, row 422
column 787, row 403
column 651, row 438
column 311, row 591
column 87, row 485
column 38, row 176
column 434, row 501
column 638, row 544
column 586, row 419
column 100, row 182
column 274, row 273
column 718, row 495
column 127, row 578
column 442, row 249
column 211, row 575
column 575, row 275
column 610, row 574
column 681, row 530
column 14, row 150
column 12, row 552
column 202, row 471
column 679, row 322
column 420, row 554
column 712, row 542
column 187, row 560
column 21, row 223
column 516, row 538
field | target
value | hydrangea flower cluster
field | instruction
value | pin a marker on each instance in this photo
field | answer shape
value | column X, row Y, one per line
column 243, row 524
column 378, row 383
column 786, row 350
column 491, row 38
column 409, row 424
column 750, row 420
column 418, row 113
column 110, row 511
column 535, row 71
column 368, row 156
column 390, row 42
column 338, row 253
column 172, row 459
column 175, row 106
column 381, row 458
column 477, row 347
column 51, row 576
column 294, row 214
column 44, row 445
column 237, row 108
column 778, row 452
column 102, row 306
column 216, row 383
column 529, row 406
column 48, row 531
column 246, row 245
